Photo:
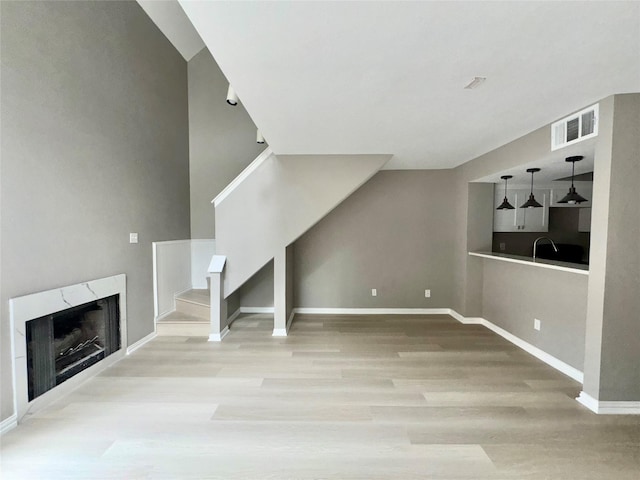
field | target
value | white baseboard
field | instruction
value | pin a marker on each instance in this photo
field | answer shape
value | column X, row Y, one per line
column 164, row 315
column 233, row 316
column 140, row 343
column 372, row 311
column 608, row 408
column 550, row 360
column 256, row 309
column 466, row 320
column 8, row 424
column 279, row 332
column 217, row 337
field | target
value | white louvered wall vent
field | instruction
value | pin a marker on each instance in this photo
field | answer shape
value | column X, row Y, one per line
column 575, row 128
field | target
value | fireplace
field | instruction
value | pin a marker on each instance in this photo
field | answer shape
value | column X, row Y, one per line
column 62, row 345
column 64, row 336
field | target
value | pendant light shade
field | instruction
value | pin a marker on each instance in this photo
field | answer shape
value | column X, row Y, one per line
column 505, row 205
column 259, row 137
column 573, row 197
column 531, row 203
column 232, row 98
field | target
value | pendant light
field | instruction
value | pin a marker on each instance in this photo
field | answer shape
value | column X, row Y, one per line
column 531, row 203
column 232, row 98
column 505, row 205
column 573, row 197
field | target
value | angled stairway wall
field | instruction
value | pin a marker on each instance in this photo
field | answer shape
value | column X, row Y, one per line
column 277, row 200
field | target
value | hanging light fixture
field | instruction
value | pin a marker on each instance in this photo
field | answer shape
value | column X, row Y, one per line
column 259, row 137
column 232, row 98
column 573, row 197
column 531, row 203
column 505, row 205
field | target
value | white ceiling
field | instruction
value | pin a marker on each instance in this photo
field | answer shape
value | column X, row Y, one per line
column 388, row 77
column 171, row 20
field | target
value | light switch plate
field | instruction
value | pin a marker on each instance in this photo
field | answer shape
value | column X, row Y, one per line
column 374, row 292
column 536, row 324
column 427, row 293
column 133, row 238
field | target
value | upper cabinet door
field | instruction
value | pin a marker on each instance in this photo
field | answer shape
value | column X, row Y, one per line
column 537, row 219
column 521, row 219
column 505, row 220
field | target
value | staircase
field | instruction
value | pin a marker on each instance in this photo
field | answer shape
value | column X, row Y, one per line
column 191, row 317
column 258, row 217
column 277, row 199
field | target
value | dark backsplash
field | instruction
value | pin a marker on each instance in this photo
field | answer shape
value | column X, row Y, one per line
column 563, row 228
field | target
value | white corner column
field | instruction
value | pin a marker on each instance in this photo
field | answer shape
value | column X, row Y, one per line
column 283, row 291
column 218, row 315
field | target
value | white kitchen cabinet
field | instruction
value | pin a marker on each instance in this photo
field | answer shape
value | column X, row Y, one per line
column 584, row 220
column 521, row 219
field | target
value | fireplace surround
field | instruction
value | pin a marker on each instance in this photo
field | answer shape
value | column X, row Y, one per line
column 66, row 334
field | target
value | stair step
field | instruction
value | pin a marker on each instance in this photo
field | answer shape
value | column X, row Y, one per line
column 179, row 324
column 194, row 303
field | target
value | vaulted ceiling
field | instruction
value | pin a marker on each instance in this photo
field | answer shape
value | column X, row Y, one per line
column 389, row 77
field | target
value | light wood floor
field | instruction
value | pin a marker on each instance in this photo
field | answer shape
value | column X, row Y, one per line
column 340, row 398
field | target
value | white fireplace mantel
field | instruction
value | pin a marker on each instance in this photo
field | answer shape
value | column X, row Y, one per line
column 36, row 305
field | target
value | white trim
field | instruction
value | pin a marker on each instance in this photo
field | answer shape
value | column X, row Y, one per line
column 588, row 401
column 279, row 332
column 257, row 310
column 156, row 301
column 8, row 424
column 608, row 407
column 550, row 360
column 164, row 315
column 141, row 342
column 465, row 320
column 233, row 316
column 531, row 263
column 372, row 311
column 240, row 178
column 217, row 337
column 171, row 242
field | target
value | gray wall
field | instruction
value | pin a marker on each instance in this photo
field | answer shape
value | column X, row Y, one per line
column 94, row 146
column 613, row 316
column 258, row 290
column 393, row 234
column 222, row 140
column 513, row 295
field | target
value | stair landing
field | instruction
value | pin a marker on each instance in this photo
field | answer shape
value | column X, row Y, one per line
column 191, row 317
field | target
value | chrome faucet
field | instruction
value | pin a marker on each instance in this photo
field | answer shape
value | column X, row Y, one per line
column 535, row 245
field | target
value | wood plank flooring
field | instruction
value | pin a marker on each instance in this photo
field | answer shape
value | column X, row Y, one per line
column 339, row 398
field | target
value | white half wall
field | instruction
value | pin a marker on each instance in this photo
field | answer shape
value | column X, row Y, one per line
column 201, row 252
column 171, row 273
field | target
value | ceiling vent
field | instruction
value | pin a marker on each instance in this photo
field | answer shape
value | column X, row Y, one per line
column 575, row 128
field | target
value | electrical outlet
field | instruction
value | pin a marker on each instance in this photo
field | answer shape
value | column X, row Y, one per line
column 374, row 292
column 503, row 246
column 427, row 293
column 133, row 238
column 536, row 324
